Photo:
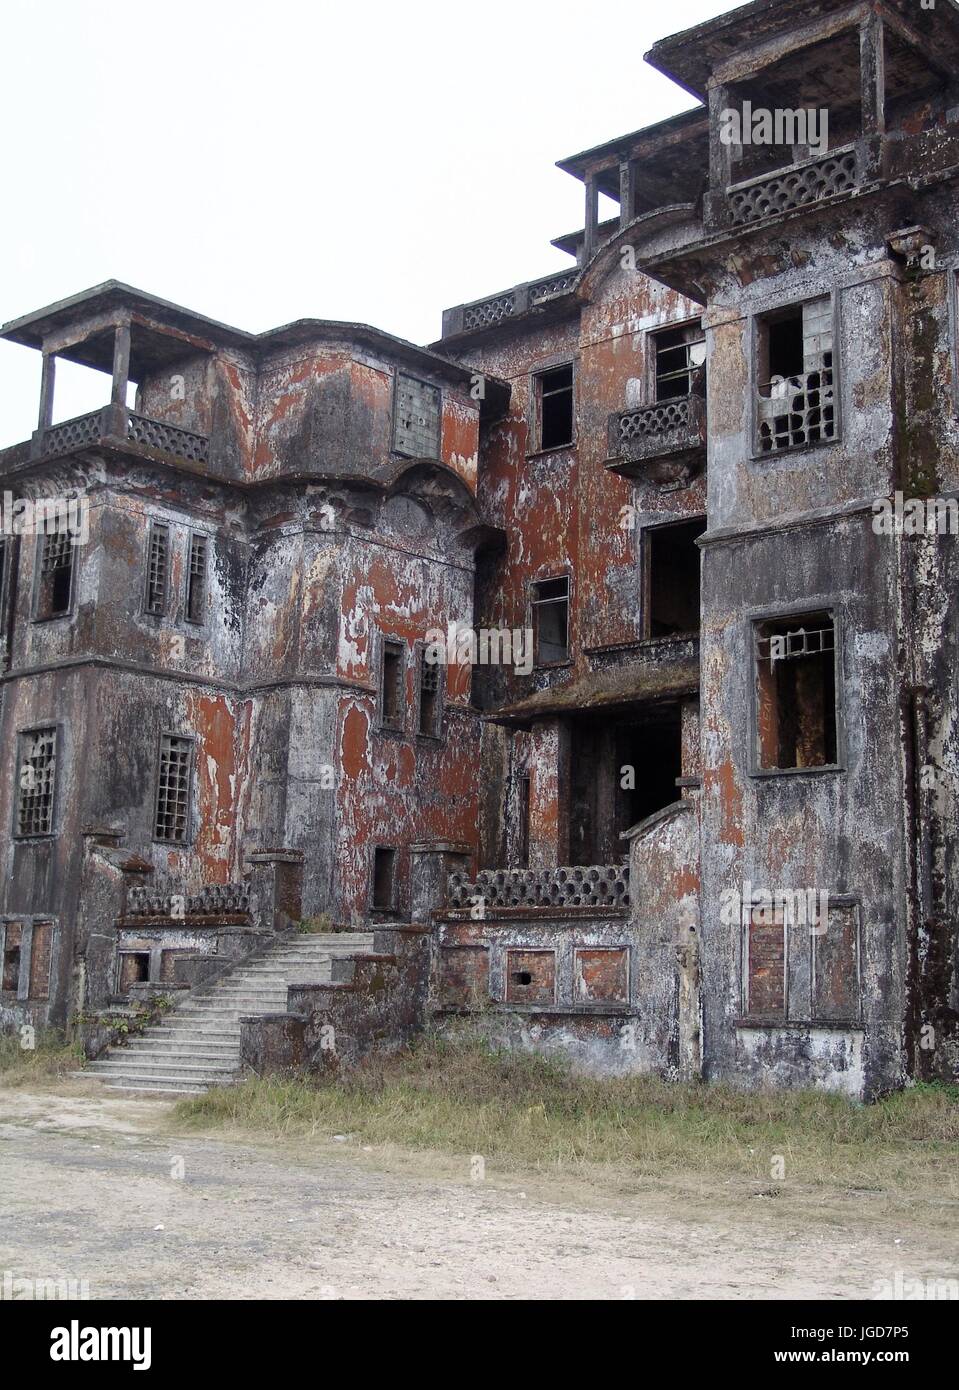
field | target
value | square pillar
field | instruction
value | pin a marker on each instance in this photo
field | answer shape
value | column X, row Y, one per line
column 121, row 364
column 592, row 218
column 872, row 71
column 720, row 156
column 627, row 191
column 47, row 384
column 549, row 766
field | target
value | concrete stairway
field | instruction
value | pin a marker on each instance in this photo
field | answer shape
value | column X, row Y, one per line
column 198, row 1045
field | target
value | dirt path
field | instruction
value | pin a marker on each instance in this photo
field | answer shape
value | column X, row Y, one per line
column 90, row 1192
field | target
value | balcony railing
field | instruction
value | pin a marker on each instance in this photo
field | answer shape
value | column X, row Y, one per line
column 215, row 900
column 794, row 187
column 666, row 442
column 508, row 304
column 115, row 423
column 597, row 885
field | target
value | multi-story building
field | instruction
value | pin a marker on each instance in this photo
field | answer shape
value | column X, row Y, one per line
column 698, row 813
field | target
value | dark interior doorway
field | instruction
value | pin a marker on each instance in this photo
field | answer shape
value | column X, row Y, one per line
column 623, row 768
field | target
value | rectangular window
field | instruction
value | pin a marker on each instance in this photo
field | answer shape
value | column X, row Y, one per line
column 796, row 692
column 133, row 968
column 11, row 956
column 416, row 424
column 158, row 570
column 430, row 707
column 672, row 578
column 55, row 580
column 36, row 782
column 553, row 408
column 680, row 359
column 801, row 958
column 392, row 681
column 172, row 819
column 797, row 400
column 41, row 955
column 196, row 578
column 384, row 879
column 551, row 621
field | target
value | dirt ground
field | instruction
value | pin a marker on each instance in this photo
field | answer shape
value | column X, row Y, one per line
column 102, row 1188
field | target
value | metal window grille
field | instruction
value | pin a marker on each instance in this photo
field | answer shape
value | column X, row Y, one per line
column 173, row 790
column 158, row 570
column 38, row 767
column 196, row 579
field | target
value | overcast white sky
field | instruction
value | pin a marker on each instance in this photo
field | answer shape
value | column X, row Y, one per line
column 259, row 163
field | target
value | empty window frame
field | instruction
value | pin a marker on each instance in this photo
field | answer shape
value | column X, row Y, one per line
column 430, row 711
column 550, row 606
column 133, row 968
column 158, row 570
column 553, row 408
column 522, row 821
column 796, row 400
column 54, row 588
column 671, row 578
column 416, row 418
column 796, row 692
column 383, row 887
column 680, row 355
column 36, row 782
column 196, row 578
column 392, row 684
column 171, row 823
column 12, row 940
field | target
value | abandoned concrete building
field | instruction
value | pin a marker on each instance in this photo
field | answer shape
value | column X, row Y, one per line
column 706, row 685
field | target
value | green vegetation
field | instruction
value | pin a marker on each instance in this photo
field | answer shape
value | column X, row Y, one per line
column 51, row 1058
column 524, row 1112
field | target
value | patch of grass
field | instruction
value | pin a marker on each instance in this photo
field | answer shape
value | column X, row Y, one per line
column 522, row 1111
column 52, row 1059
column 315, row 926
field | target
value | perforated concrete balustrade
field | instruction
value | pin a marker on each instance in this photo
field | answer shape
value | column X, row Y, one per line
column 598, row 885
column 216, row 899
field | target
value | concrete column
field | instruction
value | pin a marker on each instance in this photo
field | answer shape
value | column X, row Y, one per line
column 627, row 191
column 430, row 867
column 872, row 69
column 121, row 364
column 47, row 383
column 592, row 219
column 720, row 156
column 549, row 794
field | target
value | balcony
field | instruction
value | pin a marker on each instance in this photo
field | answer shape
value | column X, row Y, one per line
column 796, row 186
column 664, row 444
column 117, row 426
column 508, row 304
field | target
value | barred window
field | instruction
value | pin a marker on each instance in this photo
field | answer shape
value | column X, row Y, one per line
column 158, row 570
column 173, row 790
column 196, row 578
column 429, row 696
column 55, row 584
column 36, row 780
column 416, row 428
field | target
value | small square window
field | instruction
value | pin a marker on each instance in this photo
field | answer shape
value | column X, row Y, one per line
column 158, row 570
column 392, row 685
column 36, row 782
column 796, row 692
column 55, row 579
column 172, row 819
column 196, row 584
column 553, row 408
column 551, row 621
column 416, row 425
column 384, row 879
